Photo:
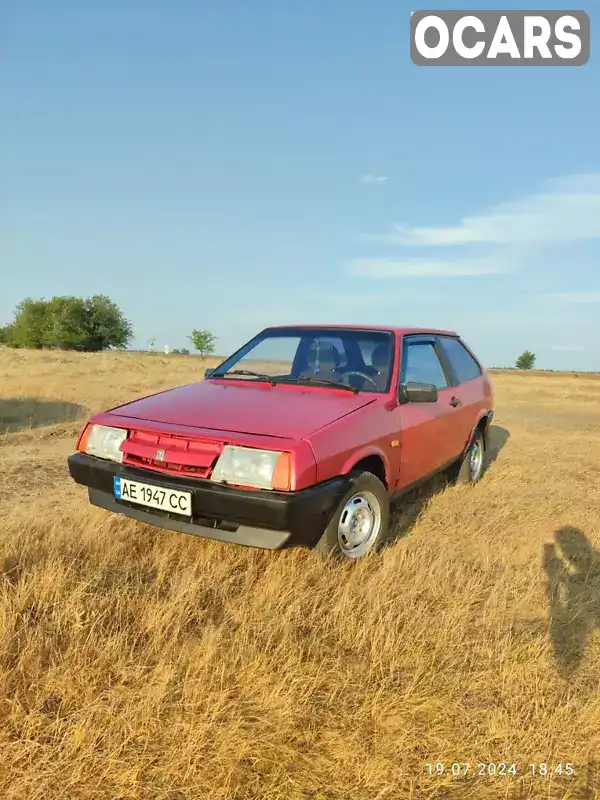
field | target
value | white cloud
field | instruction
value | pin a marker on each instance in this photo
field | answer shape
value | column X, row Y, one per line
column 572, row 297
column 568, row 211
column 371, row 178
column 385, row 268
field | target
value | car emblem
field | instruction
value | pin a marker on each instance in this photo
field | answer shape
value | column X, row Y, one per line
column 160, row 455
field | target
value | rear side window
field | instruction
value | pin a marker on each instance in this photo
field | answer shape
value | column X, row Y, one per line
column 461, row 361
column 422, row 365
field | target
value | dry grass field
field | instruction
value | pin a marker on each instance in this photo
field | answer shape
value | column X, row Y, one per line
column 140, row 663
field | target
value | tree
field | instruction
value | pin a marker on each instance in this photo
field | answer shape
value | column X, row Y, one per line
column 526, row 360
column 30, row 324
column 70, row 323
column 106, row 325
column 203, row 341
column 66, row 324
column 6, row 334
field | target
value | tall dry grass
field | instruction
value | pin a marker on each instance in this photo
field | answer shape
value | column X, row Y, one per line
column 140, row 663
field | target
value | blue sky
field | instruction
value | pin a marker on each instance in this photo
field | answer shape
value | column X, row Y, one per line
column 221, row 165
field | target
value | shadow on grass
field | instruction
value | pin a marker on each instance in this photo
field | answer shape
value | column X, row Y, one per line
column 498, row 436
column 407, row 510
column 572, row 567
column 23, row 413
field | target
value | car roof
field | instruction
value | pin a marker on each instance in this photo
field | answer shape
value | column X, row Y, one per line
column 387, row 328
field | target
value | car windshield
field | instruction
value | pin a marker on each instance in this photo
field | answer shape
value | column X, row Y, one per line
column 352, row 358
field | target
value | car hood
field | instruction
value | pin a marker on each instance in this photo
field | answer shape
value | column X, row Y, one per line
column 288, row 412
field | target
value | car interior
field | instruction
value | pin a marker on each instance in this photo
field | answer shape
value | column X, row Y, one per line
column 324, row 360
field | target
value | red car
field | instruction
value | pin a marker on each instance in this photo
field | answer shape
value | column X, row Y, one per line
column 302, row 437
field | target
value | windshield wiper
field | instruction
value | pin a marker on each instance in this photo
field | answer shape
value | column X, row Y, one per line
column 322, row 382
column 272, row 381
column 247, row 372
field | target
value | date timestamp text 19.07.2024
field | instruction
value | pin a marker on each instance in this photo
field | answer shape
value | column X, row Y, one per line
column 462, row 769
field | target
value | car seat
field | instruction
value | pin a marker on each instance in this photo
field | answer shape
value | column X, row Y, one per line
column 380, row 359
column 322, row 362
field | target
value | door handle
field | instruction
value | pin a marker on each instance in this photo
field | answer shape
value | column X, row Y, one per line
column 455, row 402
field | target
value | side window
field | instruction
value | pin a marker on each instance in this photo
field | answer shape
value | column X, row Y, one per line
column 462, row 362
column 422, row 365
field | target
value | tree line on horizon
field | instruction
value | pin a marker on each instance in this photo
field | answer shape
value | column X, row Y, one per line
column 96, row 323
column 87, row 325
column 68, row 323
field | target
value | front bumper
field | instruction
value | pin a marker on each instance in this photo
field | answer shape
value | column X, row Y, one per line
column 266, row 519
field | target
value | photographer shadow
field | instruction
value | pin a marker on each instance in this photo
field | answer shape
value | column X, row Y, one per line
column 572, row 567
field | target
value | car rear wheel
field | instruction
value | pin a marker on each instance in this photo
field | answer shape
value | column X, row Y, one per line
column 471, row 468
column 360, row 523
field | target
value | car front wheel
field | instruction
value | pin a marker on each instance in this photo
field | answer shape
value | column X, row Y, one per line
column 360, row 523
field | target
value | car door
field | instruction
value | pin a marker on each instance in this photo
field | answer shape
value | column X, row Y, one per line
column 427, row 439
column 470, row 390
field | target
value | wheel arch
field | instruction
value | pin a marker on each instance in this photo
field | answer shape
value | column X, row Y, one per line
column 370, row 460
column 483, row 424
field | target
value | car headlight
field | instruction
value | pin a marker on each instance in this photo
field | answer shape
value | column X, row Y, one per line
column 245, row 466
column 104, row 442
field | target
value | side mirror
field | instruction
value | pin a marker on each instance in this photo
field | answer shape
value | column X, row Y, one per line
column 208, row 372
column 413, row 392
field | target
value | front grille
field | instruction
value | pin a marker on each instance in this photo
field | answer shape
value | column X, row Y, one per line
column 166, row 466
column 182, row 455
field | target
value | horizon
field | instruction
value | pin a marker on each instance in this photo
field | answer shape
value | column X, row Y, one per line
column 223, row 356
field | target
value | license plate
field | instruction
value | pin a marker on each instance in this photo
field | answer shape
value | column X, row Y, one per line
column 152, row 496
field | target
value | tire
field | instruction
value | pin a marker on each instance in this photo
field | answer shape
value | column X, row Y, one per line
column 374, row 512
column 471, row 467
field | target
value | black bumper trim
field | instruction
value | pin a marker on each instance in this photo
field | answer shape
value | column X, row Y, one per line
column 268, row 519
column 243, row 534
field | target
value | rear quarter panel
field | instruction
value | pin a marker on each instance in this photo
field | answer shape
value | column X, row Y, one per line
column 477, row 401
column 368, row 431
column 486, row 389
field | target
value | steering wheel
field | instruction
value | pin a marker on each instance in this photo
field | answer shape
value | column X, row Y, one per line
column 361, row 375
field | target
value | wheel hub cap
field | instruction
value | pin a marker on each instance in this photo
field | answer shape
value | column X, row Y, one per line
column 476, row 458
column 359, row 524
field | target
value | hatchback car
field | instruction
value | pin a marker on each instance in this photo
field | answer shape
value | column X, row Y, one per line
column 302, row 437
